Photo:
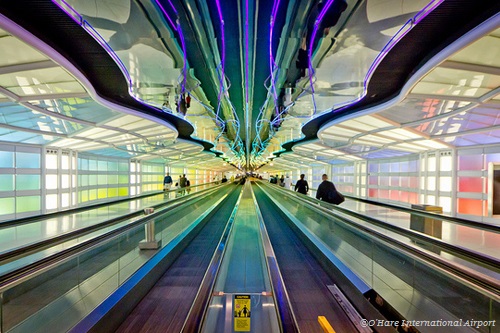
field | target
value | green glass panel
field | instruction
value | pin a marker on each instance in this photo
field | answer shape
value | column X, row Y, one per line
column 84, row 180
column 112, row 166
column 92, row 194
column 28, row 204
column 123, row 166
column 123, row 191
column 7, row 206
column 6, row 159
column 102, row 166
column 27, row 182
column 123, row 179
column 27, row 160
column 112, row 179
column 92, row 165
column 92, row 180
column 102, row 179
column 6, row 182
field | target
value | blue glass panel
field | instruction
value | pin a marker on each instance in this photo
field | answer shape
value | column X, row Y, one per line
column 6, row 159
column 27, row 160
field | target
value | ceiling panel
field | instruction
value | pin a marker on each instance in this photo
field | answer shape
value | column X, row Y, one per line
column 40, row 82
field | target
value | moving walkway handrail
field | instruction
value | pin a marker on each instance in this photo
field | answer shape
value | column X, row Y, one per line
column 33, row 247
column 24, row 273
column 30, row 219
column 428, row 214
column 484, row 284
column 458, row 250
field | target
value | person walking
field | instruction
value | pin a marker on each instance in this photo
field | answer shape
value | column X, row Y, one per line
column 167, row 182
column 327, row 192
column 288, row 182
column 281, row 181
column 302, row 186
column 182, row 184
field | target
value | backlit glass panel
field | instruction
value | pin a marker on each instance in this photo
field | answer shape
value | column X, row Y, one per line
column 6, row 159
column 7, row 206
column 28, row 204
column 6, row 182
column 27, row 160
column 27, row 182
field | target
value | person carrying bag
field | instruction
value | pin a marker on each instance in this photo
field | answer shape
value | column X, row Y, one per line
column 327, row 192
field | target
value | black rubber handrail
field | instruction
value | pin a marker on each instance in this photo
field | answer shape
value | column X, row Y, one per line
column 447, row 218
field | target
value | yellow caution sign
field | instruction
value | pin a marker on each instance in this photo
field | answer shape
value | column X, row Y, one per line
column 242, row 312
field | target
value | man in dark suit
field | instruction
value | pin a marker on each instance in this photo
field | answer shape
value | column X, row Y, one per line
column 327, row 192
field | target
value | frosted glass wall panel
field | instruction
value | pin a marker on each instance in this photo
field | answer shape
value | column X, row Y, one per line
column 27, row 160
column 64, row 181
column 445, row 184
column 446, row 163
column 6, row 159
column 7, row 206
column 6, row 182
column 65, row 162
column 51, row 161
column 65, row 200
column 51, row 201
column 51, row 182
column 470, row 162
column 27, row 204
column 27, row 182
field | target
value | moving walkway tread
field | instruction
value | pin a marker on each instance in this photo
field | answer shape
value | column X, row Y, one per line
column 166, row 306
column 304, row 278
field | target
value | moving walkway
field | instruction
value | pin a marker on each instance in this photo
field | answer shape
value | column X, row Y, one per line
column 293, row 258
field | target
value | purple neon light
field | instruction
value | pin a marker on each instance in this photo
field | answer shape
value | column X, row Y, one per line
column 184, row 67
column 426, row 10
column 223, row 60
column 247, row 55
column 69, row 10
column 90, row 29
column 272, row 63
column 172, row 24
column 311, row 44
column 177, row 27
